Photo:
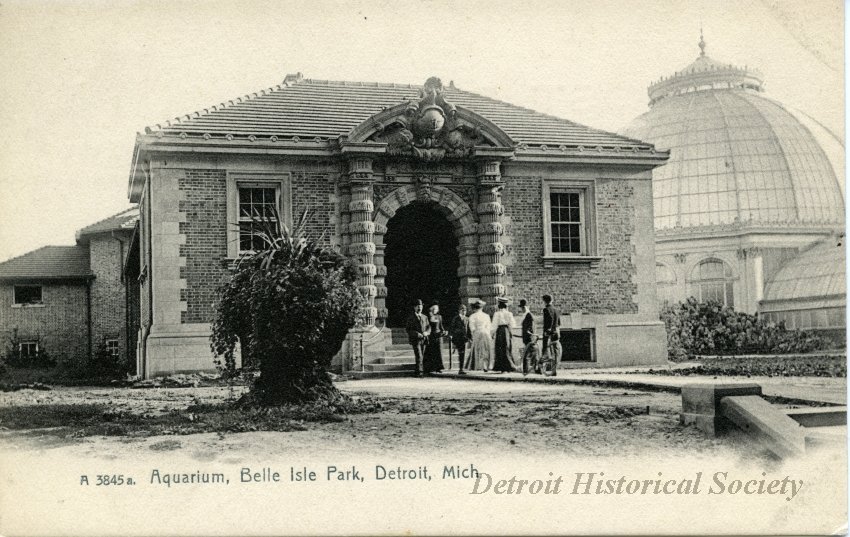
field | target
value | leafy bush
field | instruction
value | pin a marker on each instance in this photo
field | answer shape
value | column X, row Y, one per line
column 15, row 358
column 695, row 328
column 290, row 306
column 103, row 364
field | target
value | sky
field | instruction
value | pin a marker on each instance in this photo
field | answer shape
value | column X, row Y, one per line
column 79, row 78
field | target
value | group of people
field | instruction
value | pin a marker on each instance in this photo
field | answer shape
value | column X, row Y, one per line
column 490, row 340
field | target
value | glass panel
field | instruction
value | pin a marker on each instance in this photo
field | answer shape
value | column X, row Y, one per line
column 257, row 203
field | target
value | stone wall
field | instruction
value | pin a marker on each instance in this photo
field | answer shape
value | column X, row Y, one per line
column 61, row 323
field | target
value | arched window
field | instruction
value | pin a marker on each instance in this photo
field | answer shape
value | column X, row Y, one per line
column 665, row 280
column 712, row 279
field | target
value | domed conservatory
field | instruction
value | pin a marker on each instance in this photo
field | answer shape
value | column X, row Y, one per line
column 748, row 187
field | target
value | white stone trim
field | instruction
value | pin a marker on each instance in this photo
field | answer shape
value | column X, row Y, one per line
column 587, row 190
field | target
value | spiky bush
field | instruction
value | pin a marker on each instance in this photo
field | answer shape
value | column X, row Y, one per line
column 290, row 306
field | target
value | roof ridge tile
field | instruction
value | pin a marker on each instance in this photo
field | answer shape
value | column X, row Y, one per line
column 119, row 213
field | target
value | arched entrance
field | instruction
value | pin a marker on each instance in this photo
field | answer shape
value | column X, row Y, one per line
column 421, row 258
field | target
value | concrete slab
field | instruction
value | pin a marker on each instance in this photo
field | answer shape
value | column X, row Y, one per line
column 769, row 424
column 701, row 404
column 815, row 390
column 819, row 417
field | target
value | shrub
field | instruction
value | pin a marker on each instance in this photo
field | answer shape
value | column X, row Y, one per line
column 13, row 357
column 103, row 364
column 290, row 306
column 695, row 327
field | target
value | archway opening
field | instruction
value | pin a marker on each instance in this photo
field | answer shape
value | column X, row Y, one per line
column 422, row 261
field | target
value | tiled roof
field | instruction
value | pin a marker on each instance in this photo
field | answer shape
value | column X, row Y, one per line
column 311, row 109
column 48, row 262
column 124, row 220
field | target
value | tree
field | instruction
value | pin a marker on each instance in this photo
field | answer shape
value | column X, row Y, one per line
column 290, row 305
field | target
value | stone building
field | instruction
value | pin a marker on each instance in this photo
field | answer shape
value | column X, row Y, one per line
column 71, row 301
column 749, row 185
column 437, row 193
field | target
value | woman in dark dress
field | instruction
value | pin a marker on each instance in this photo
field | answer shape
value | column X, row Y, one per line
column 503, row 323
column 433, row 359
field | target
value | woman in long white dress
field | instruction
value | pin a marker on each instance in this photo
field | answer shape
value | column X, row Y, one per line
column 481, row 352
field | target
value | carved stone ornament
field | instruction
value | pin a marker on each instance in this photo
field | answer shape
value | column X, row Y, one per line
column 429, row 129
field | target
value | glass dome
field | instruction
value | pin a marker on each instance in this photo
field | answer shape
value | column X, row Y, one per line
column 816, row 273
column 737, row 158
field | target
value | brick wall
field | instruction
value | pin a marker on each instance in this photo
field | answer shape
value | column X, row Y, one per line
column 205, row 250
column 61, row 323
column 108, row 295
column 205, row 228
column 313, row 190
column 604, row 288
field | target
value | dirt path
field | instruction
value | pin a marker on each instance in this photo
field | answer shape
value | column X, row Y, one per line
column 503, row 429
column 419, row 416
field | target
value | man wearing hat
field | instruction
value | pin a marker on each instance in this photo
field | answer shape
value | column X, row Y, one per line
column 418, row 330
column 551, row 333
column 531, row 353
column 459, row 331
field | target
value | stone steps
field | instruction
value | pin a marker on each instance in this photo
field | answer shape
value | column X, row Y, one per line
column 400, row 359
column 366, row 375
column 390, row 367
column 397, row 361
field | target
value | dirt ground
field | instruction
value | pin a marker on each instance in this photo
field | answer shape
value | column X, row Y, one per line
column 506, row 430
column 418, row 416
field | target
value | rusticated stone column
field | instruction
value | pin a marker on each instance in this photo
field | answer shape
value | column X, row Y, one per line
column 344, row 190
column 490, row 248
column 361, row 230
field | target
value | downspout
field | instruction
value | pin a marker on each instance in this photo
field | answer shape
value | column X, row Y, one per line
column 148, row 240
column 126, row 293
column 88, row 316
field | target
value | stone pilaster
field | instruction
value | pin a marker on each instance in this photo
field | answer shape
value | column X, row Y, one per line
column 344, row 192
column 490, row 230
column 381, row 273
column 361, row 230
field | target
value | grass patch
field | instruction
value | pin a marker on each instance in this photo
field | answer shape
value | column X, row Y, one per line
column 100, row 420
column 16, row 378
column 767, row 366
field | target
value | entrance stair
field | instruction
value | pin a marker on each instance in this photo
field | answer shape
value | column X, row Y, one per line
column 397, row 360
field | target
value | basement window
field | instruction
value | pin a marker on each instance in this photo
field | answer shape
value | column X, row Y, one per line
column 28, row 349
column 113, row 348
column 577, row 346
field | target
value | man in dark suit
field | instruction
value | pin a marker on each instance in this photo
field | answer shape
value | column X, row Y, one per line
column 459, row 332
column 551, row 333
column 418, row 330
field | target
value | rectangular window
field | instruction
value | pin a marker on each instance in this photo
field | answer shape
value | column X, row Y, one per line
column 28, row 349
column 113, row 347
column 569, row 230
column 257, row 202
column 258, row 216
column 27, row 295
column 567, row 222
